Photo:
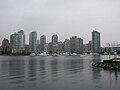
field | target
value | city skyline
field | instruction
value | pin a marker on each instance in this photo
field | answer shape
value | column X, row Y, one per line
column 71, row 45
column 17, row 44
column 65, row 18
column 49, row 39
column 38, row 37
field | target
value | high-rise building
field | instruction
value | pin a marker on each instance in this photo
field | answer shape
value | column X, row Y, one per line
column 5, row 46
column 80, row 46
column 17, row 40
column 38, row 45
column 96, row 45
column 87, row 48
column 5, row 43
column 73, row 44
column 27, row 48
column 90, row 46
column 66, row 46
column 60, row 46
column 76, row 45
column 33, row 41
column 21, row 39
column 55, row 48
column 50, row 48
column 46, row 48
column 14, row 41
column 0, row 50
column 54, row 43
column 42, row 43
column 55, row 39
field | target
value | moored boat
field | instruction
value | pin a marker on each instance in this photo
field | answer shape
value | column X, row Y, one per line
column 32, row 54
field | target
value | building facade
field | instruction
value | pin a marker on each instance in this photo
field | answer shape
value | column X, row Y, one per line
column 5, row 46
column 42, row 43
column 50, row 48
column 90, row 46
column 14, row 41
column 76, row 45
column 55, row 39
column 46, row 48
column 66, row 46
column 73, row 44
column 60, row 47
column 17, row 40
column 96, row 45
column 54, row 44
column 87, row 48
column 38, row 45
column 33, row 41
column 21, row 39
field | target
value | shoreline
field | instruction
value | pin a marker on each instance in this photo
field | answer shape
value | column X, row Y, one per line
column 112, row 64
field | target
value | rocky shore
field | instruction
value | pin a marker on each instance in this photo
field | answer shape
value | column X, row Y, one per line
column 113, row 64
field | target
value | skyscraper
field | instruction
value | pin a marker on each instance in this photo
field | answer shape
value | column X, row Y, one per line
column 60, row 46
column 66, row 46
column 14, row 41
column 46, row 48
column 86, row 48
column 50, row 48
column 80, row 46
column 90, row 46
column 76, row 45
column 55, row 39
column 55, row 43
column 55, row 48
column 17, row 40
column 5, row 46
column 21, row 39
column 0, row 50
column 96, row 45
column 33, row 41
column 42, row 43
column 73, row 44
column 38, row 45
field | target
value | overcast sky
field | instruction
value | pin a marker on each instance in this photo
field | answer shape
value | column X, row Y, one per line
column 63, row 17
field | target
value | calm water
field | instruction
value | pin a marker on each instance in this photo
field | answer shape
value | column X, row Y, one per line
column 55, row 73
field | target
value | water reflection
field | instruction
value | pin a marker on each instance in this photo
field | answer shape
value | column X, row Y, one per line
column 4, row 68
column 16, row 71
column 32, row 71
column 42, row 68
column 96, row 71
column 96, row 58
column 116, row 75
column 113, row 74
column 96, row 74
column 32, row 68
column 54, row 68
column 76, row 66
column 55, row 73
column 73, row 65
column 16, row 67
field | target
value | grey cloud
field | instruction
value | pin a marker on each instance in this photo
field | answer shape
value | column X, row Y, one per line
column 64, row 17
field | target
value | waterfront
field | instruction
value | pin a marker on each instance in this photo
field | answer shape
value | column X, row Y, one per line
column 55, row 73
